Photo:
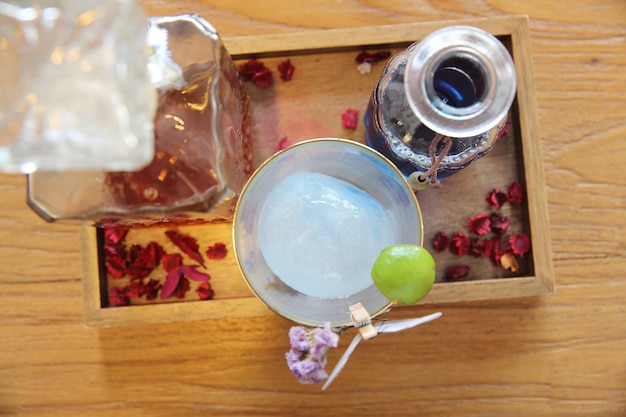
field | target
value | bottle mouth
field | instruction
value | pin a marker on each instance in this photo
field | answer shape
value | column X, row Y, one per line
column 460, row 81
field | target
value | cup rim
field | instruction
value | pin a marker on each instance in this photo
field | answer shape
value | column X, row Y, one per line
column 261, row 168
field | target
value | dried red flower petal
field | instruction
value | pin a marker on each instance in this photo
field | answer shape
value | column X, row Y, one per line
column 519, row 244
column 457, row 272
column 504, row 130
column 499, row 224
column 118, row 297
column 285, row 70
column 205, row 292
column 147, row 256
column 441, row 241
column 217, row 251
column 115, row 234
column 135, row 290
column 493, row 249
column 459, row 244
column 366, row 56
column 187, row 244
column 137, row 272
column 350, row 118
column 263, row 78
column 142, row 260
column 509, row 261
column 171, row 261
column 282, row 144
column 115, row 266
column 251, row 67
column 257, row 72
column 114, row 252
column 515, row 193
column 496, row 198
column 171, row 283
column 192, row 272
column 479, row 224
column 151, row 289
column 477, row 248
column 182, row 288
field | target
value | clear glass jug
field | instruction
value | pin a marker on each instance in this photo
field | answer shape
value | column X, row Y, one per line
column 188, row 93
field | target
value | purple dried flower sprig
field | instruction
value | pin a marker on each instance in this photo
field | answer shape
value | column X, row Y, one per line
column 307, row 357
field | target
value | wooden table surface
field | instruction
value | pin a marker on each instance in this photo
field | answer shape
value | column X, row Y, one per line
column 554, row 355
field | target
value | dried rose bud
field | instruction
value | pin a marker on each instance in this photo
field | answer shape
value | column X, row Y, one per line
column 285, row 70
column 479, row 224
column 496, row 198
column 441, row 241
column 251, row 67
column 263, row 78
column 519, row 244
column 493, row 249
column 477, row 248
column 499, row 224
column 515, row 193
column 457, row 272
column 350, row 118
column 459, row 244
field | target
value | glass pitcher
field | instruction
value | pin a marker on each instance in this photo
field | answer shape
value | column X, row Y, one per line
column 185, row 92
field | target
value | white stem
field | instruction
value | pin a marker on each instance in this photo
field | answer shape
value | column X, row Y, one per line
column 390, row 326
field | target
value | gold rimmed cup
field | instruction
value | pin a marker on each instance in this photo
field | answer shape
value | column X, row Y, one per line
column 360, row 168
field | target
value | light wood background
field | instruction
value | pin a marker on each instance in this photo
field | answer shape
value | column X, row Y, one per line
column 556, row 355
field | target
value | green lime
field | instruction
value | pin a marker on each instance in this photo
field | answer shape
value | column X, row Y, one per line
column 404, row 273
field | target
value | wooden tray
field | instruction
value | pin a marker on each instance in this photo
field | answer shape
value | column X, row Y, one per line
column 325, row 83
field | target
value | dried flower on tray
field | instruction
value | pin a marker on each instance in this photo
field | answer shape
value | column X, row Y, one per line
column 519, row 244
column 187, row 244
column 138, row 262
column 441, row 241
column 479, row 224
column 496, row 198
column 256, row 71
column 217, row 251
column 282, row 144
column 366, row 56
column 350, row 118
column 456, row 272
column 499, row 223
column 285, row 70
column 515, row 193
column 459, row 244
column 490, row 247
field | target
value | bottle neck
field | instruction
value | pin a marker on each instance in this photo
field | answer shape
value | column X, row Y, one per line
column 460, row 81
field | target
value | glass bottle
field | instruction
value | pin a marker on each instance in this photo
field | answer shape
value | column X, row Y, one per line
column 442, row 103
column 202, row 138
